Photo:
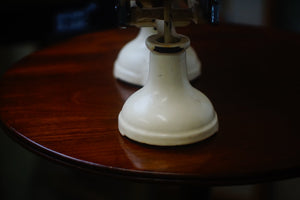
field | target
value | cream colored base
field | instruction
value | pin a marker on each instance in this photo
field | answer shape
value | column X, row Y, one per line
column 168, row 111
column 132, row 63
column 168, row 138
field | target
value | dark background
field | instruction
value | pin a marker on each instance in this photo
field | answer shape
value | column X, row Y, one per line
column 40, row 20
column 26, row 26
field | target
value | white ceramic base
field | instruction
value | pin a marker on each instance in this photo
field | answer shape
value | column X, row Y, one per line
column 168, row 111
column 167, row 139
column 132, row 64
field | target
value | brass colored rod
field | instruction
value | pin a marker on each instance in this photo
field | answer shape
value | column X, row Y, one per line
column 168, row 22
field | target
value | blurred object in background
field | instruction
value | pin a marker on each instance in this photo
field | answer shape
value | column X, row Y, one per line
column 244, row 12
column 272, row 13
column 39, row 20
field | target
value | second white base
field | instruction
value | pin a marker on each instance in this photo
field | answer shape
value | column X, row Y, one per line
column 132, row 63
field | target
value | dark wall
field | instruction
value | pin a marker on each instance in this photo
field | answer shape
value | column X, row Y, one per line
column 32, row 20
column 287, row 14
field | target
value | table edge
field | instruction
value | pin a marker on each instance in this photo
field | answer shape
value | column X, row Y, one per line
column 144, row 176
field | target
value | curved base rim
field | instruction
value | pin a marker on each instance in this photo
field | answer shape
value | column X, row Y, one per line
column 168, row 139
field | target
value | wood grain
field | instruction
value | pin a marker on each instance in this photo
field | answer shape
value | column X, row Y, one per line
column 62, row 103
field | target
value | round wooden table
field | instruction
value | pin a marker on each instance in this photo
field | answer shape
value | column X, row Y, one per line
column 62, row 103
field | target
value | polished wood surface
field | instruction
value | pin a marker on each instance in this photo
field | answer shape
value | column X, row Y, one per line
column 62, row 103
